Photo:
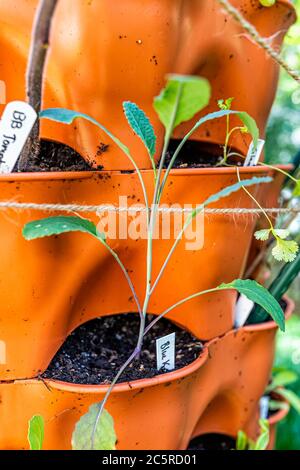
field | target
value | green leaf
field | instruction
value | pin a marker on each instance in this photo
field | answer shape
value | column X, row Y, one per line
column 104, row 438
column 296, row 192
column 225, row 104
column 282, row 233
column 251, row 125
column 263, row 235
column 182, row 98
column 67, row 116
column 57, row 225
column 241, row 441
column 267, row 3
column 236, row 187
column 291, row 397
column 282, row 378
column 141, row 125
column 259, row 295
column 285, row 250
column 278, row 405
column 264, row 437
column 35, row 434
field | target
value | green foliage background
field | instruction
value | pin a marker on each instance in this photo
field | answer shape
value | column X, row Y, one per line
column 283, row 132
column 283, row 142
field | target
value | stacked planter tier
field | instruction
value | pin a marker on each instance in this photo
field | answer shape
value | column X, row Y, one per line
column 218, row 393
column 52, row 285
column 131, row 41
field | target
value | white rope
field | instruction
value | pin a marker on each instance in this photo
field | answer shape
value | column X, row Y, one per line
column 134, row 209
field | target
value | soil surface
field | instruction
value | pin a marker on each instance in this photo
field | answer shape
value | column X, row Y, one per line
column 196, row 154
column 54, row 156
column 94, row 352
column 212, row 442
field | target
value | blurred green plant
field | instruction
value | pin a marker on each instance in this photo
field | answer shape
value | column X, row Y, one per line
column 288, row 356
column 283, row 131
column 243, row 442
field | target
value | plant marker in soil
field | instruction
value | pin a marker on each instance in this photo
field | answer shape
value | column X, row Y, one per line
column 165, row 352
column 254, row 153
column 264, row 407
column 15, row 126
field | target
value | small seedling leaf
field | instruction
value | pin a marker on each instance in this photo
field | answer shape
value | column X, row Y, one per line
column 296, row 192
column 283, row 378
column 58, row 225
column 104, row 436
column 251, row 126
column 262, row 235
column 264, row 437
column 35, row 434
column 282, row 233
column 259, row 295
column 267, row 3
column 241, row 441
column 285, row 250
column 225, row 104
column 278, row 405
column 141, row 125
column 291, row 397
column 183, row 95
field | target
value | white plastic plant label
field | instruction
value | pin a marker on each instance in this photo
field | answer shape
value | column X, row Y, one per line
column 264, row 407
column 242, row 310
column 15, row 126
column 254, row 154
column 2, row 92
column 165, row 352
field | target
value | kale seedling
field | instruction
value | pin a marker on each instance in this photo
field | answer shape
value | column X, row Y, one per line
column 181, row 99
column 281, row 378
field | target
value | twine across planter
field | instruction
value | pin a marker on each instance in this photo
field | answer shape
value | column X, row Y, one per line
column 109, row 208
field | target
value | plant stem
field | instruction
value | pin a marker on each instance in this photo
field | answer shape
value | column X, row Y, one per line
column 215, row 197
column 35, row 72
column 228, row 135
column 151, row 226
column 177, row 304
column 226, row 139
column 153, row 216
column 116, row 257
column 201, row 121
column 104, row 401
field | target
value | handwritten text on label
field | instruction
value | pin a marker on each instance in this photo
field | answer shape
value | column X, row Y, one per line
column 15, row 126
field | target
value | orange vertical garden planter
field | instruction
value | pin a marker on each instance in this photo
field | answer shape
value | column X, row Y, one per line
column 217, row 393
column 50, row 286
column 133, row 39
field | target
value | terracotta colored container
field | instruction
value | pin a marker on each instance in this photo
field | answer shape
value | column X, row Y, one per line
column 274, row 420
column 128, row 41
column 280, row 415
column 216, row 393
column 50, row 286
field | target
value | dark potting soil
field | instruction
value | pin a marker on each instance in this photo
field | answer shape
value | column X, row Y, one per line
column 94, row 352
column 212, row 442
column 54, row 156
column 195, row 154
